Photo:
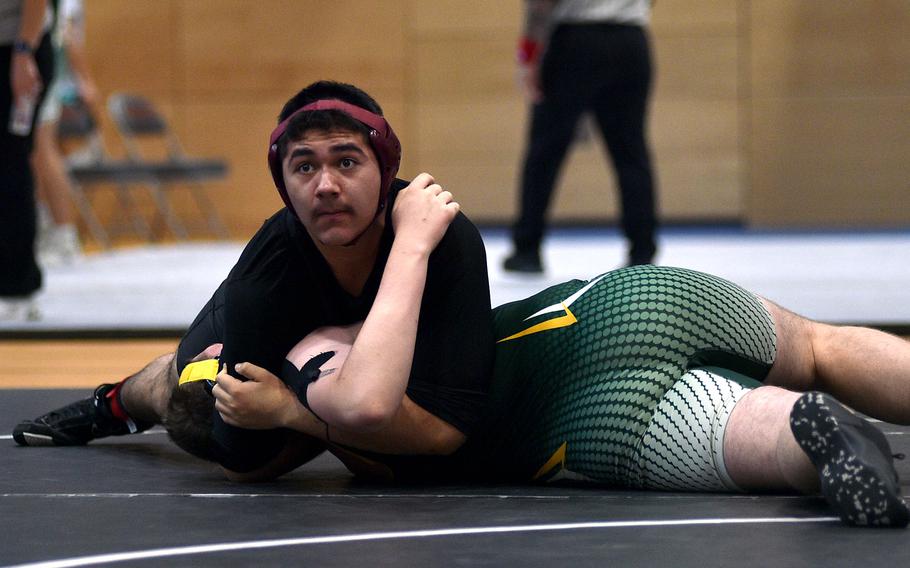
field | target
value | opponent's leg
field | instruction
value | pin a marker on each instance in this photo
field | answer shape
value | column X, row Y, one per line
column 132, row 405
column 867, row 369
column 771, row 432
column 682, row 448
column 760, row 451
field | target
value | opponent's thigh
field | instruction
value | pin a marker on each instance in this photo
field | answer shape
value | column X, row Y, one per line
column 794, row 362
column 683, row 446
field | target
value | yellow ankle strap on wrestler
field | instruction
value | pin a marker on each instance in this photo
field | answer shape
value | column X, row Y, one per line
column 206, row 370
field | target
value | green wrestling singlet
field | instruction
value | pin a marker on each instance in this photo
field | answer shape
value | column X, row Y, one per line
column 581, row 366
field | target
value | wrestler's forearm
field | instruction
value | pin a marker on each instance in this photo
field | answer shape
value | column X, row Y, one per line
column 413, row 431
column 370, row 386
column 32, row 20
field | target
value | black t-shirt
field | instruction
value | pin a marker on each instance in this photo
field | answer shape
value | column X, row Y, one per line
column 282, row 288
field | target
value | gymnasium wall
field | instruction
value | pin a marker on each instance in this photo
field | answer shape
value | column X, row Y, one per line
column 773, row 112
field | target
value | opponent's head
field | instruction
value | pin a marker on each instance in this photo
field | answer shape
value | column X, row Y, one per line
column 189, row 419
column 329, row 106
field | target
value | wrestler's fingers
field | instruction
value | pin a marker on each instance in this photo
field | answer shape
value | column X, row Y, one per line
column 253, row 372
column 225, row 383
column 423, row 180
column 225, row 412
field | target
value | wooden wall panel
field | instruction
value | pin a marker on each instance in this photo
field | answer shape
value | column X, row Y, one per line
column 696, row 67
column 830, row 136
column 738, row 86
column 695, row 17
column 830, row 161
column 699, row 163
column 460, row 17
column 815, row 48
column 447, row 70
column 696, row 118
column 248, row 196
column 457, row 140
column 235, row 47
column 132, row 45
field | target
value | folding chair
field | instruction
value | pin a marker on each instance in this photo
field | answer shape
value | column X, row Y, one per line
column 140, row 124
column 90, row 166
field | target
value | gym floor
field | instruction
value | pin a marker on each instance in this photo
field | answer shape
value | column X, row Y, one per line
column 139, row 501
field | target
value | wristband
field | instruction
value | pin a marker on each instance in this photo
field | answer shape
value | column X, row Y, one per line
column 528, row 50
column 22, row 46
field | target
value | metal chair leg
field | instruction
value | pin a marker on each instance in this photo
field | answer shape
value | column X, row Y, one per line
column 99, row 233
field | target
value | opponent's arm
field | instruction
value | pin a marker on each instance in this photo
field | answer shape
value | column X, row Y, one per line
column 24, row 76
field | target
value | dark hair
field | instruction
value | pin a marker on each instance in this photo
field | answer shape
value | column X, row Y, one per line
column 189, row 420
column 324, row 120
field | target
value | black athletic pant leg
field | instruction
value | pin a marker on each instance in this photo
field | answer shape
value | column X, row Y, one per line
column 20, row 275
column 621, row 111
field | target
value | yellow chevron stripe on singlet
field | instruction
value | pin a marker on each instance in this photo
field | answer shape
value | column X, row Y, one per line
column 558, row 459
column 562, row 321
column 565, row 320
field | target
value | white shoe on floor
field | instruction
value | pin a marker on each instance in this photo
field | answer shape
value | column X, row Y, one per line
column 59, row 246
column 19, row 310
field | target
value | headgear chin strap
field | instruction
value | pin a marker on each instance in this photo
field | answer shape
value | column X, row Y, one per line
column 382, row 138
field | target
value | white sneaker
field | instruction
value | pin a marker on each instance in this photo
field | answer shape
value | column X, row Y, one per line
column 59, row 246
column 19, row 309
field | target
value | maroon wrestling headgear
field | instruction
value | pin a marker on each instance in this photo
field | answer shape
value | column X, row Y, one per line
column 382, row 139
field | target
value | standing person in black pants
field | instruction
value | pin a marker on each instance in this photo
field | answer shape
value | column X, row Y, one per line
column 581, row 56
column 26, row 68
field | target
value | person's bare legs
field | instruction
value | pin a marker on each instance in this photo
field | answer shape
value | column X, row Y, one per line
column 145, row 395
column 866, row 369
column 777, row 439
column 114, row 409
column 58, row 241
column 760, row 451
column 53, row 183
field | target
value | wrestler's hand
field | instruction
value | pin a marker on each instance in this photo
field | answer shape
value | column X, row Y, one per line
column 25, row 79
column 422, row 213
column 261, row 403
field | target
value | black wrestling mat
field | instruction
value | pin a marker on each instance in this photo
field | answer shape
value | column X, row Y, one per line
column 139, row 501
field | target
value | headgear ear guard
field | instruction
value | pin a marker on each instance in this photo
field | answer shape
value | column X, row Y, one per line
column 382, row 139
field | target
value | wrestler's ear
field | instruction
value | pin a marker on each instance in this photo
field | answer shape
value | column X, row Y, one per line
column 213, row 351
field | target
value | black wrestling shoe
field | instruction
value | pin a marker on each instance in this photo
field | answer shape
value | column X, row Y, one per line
column 853, row 460
column 76, row 424
column 524, row 261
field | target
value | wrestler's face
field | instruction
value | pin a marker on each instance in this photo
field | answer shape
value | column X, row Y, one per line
column 333, row 178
